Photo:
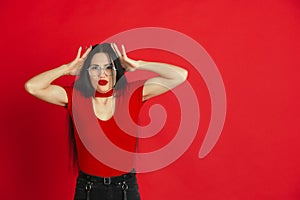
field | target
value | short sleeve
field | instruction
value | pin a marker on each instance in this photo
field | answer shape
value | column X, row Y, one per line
column 69, row 91
column 136, row 100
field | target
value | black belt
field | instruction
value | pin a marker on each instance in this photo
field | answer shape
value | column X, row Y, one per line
column 107, row 180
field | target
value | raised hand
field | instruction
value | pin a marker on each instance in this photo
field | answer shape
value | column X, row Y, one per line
column 128, row 63
column 73, row 68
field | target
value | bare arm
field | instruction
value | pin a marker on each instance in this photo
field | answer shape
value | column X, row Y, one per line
column 40, row 85
column 169, row 76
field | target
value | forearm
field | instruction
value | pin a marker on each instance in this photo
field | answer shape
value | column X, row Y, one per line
column 166, row 71
column 44, row 80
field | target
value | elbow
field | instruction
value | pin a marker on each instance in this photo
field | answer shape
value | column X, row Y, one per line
column 180, row 77
column 183, row 75
column 29, row 88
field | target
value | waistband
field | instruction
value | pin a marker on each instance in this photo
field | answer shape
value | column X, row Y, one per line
column 107, row 180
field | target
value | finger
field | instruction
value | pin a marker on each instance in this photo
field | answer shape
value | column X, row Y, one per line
column 115, row 47
column 117, row 50
column 86, row 53
column 79, row 52
column 123, row 50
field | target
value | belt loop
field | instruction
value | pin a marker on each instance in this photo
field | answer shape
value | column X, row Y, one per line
column 107, row 181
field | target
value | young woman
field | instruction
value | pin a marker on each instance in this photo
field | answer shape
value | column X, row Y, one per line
column 100, row 92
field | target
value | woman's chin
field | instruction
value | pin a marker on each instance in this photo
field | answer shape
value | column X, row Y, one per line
column 103, row 88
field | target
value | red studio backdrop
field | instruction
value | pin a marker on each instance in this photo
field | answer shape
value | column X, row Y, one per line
column 255, row 45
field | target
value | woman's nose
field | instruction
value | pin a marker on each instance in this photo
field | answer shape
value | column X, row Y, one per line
column 102, row 72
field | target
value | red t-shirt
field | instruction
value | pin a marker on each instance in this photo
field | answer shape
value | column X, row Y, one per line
column 87, row 124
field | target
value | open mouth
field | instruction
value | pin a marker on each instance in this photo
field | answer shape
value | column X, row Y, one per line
column 102, row 82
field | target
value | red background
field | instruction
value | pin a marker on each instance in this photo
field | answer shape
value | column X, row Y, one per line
column 255, row 45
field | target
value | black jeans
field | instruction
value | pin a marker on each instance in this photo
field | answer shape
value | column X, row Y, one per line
column 122, row 187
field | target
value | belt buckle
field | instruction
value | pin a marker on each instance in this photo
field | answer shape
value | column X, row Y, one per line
column 107, row 181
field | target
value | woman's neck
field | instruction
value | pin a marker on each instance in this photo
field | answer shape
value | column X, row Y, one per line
column 108, row 93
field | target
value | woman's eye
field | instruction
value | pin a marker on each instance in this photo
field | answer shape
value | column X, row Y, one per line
column 110, row 67
column 95, row 67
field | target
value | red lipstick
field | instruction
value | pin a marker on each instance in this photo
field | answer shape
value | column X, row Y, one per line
column 102, row 82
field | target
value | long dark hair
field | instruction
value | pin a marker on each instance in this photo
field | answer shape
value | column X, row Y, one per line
column 83, row 84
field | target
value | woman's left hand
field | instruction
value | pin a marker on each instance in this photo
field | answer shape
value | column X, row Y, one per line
column 128, row 63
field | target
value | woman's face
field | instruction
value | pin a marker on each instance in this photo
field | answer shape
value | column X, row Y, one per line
column 102, row 72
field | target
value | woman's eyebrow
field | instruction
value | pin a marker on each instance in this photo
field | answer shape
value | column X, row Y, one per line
column 103, row 65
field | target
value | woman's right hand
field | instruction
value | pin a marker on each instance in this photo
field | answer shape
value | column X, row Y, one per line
column 41, row 85
column 73, row 68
